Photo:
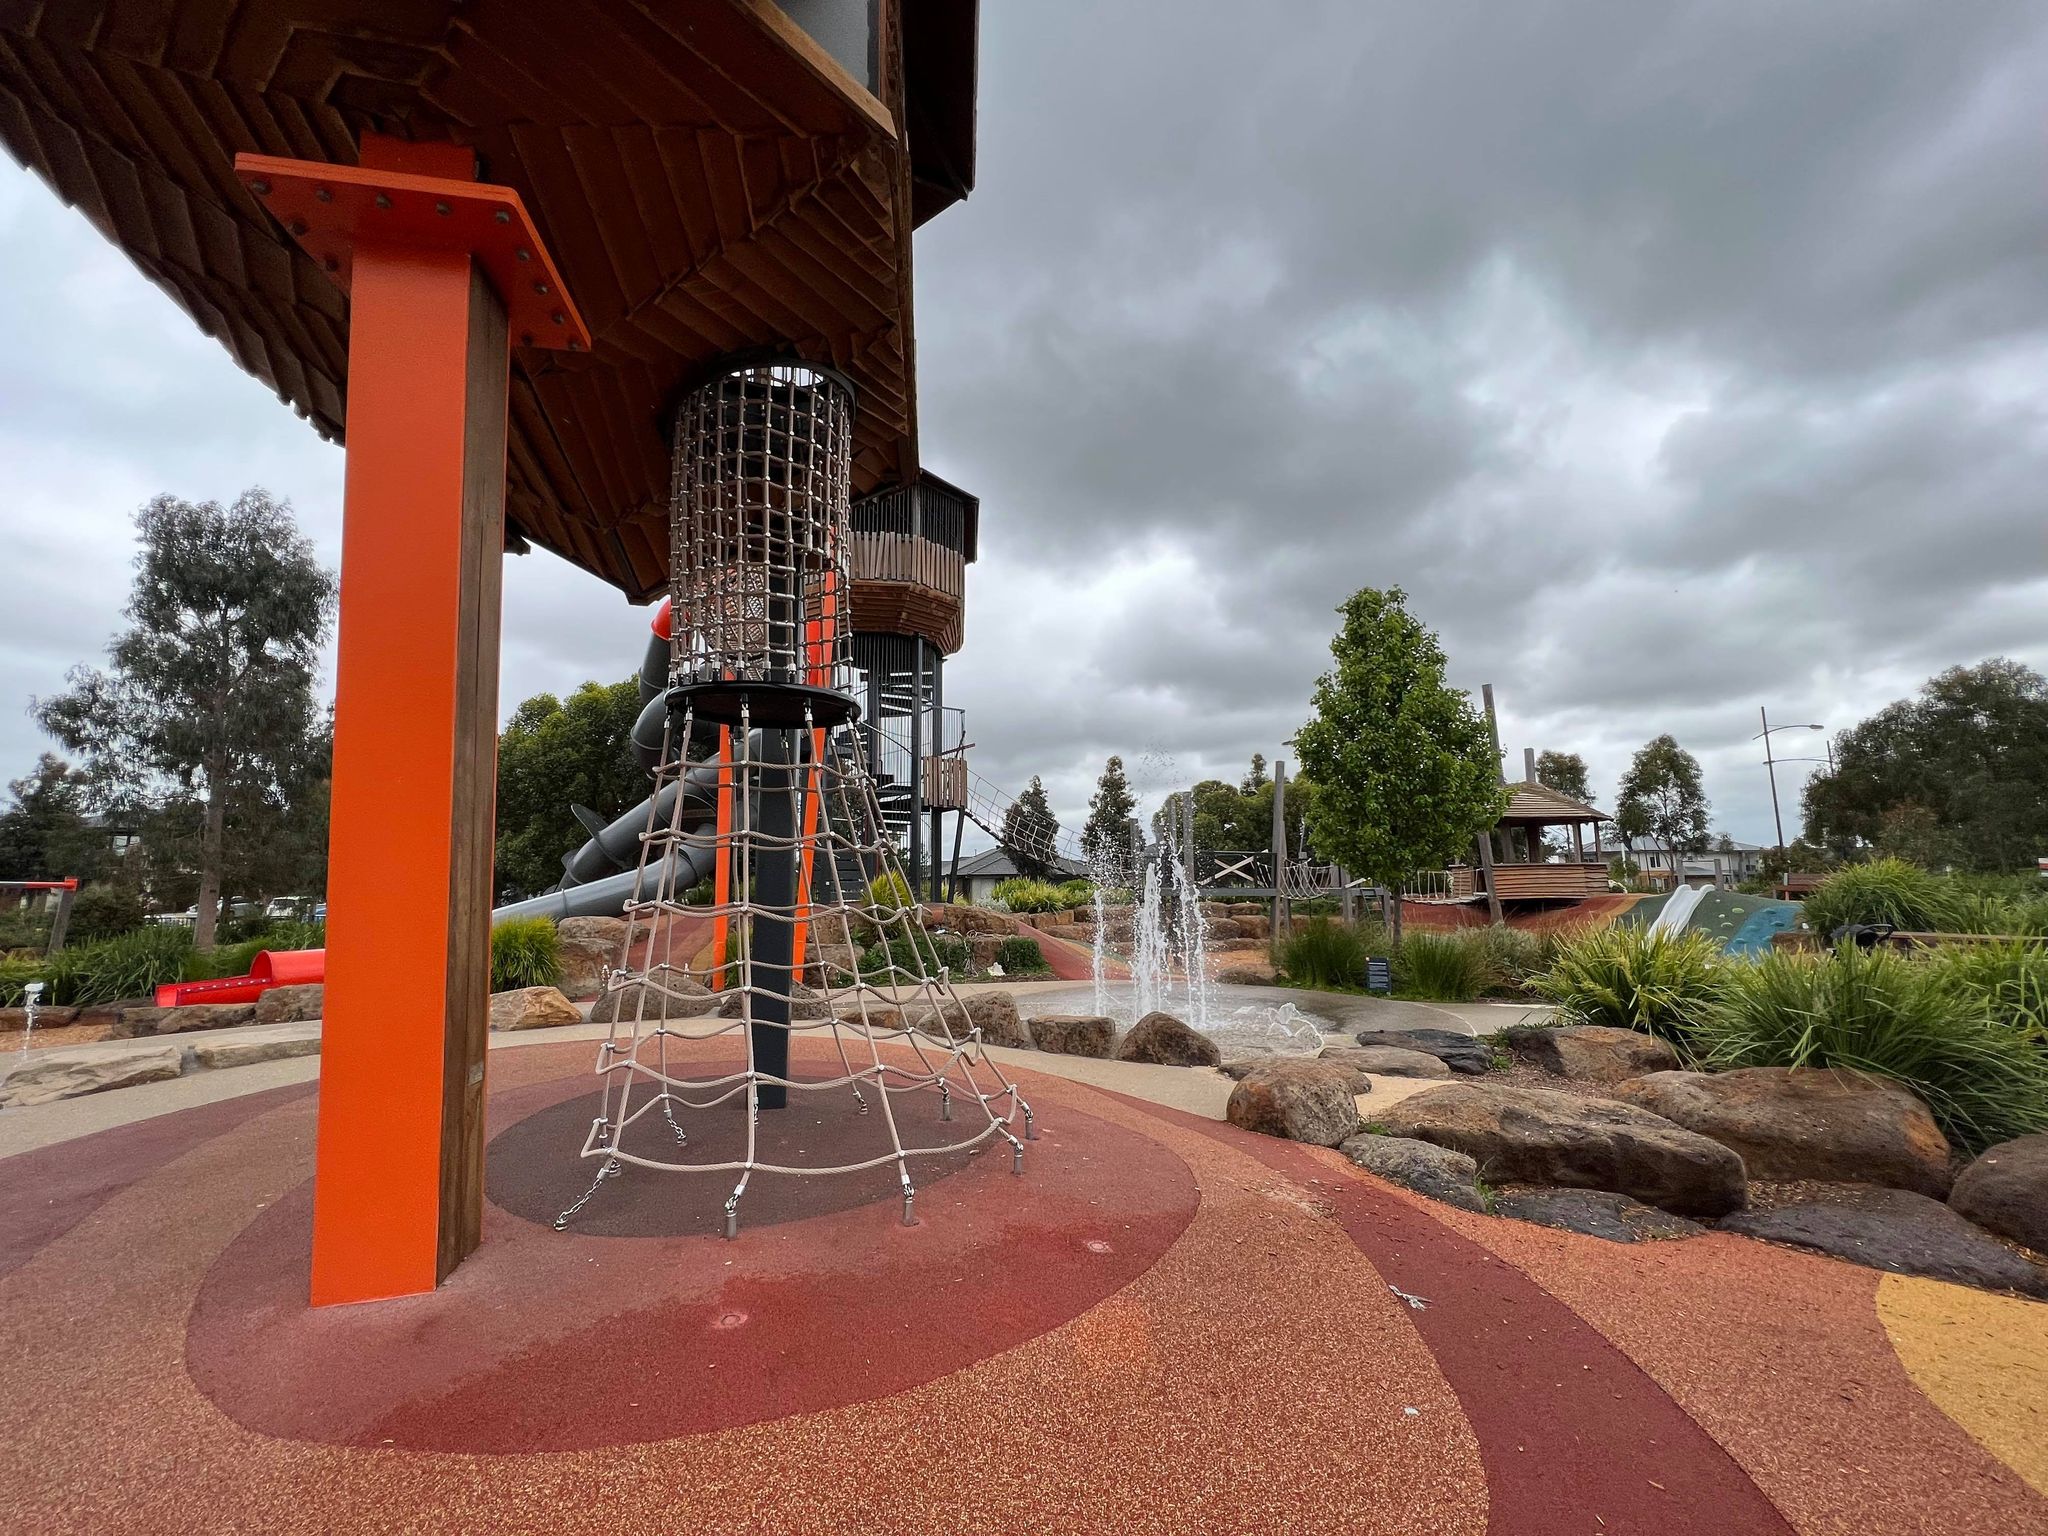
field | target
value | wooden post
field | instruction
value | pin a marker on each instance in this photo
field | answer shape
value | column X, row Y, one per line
column 1485, row 838
column 442, row 274
column 1279, row 850
column 60, row 925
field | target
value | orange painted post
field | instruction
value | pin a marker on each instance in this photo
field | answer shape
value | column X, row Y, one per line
column 818, row 673
column 441, row 272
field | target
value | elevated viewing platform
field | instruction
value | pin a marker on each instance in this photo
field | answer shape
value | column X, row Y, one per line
column 912, row 545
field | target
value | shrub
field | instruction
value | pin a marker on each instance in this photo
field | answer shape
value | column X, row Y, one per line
column 1887, row 1014
column 240, row 930
column 133, row 965
column 283, row 936
column 1020, row 956
column 2008, row 981
column 1511, row 956
column 1073, row 894
column 918, row 956
column 1628, row 977
column 104, row 912
column 525, row 953
column 891, row 892
column 1443, row 967
column 16, row 972
column 1322, row 954
column 1882, row 891
column 1990, row 911
column 1026, row 895
column 222, row 960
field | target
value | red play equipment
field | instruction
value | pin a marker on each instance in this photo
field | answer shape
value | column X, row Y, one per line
column 270, row 968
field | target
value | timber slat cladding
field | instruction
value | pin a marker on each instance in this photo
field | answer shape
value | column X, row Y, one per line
column 707, row 182
column 907, row 585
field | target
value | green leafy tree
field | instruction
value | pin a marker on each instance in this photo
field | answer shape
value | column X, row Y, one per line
column 280, row 825
column 1957, row 775
column 1257, row 778
column 1663, row 797
column 46, row 832
column 1565, row 772
column 209, row 692
column 1031, row 832
column 555, row 754
column 1403, row 764
column 1107, row 835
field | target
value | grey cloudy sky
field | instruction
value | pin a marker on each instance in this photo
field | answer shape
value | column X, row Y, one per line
column 1675, row 358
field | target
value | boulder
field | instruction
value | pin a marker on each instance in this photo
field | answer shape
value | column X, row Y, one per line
column 588, row 947
column 1542, row 1136
column 532, row 1008
column 107, row 1016
column 1165, row 1040
column 880, row 1016
column 1594, row 1213
column 1898, row 1230
column 1224, row 928
column 1246, row 976
column 965, row 919
column 49, row 1016
column 141, row 1022
column 68, row 1074
column 803, row 1004
column 993, row 1013
column 247, row 1050
column 1073, row 1034
column 1592, row 1053
column 594, row 930
column 1461, row 1053
column 1437, row 1172
column 1806, row 1123
column 2006, row 1191
column 1253, row 925
column 584, row 963
column 291, row 1005
column 1298, row 1099
column 1386, row 1060
column 674, row 997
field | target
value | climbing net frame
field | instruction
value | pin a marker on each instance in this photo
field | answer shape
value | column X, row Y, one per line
column 848, row 883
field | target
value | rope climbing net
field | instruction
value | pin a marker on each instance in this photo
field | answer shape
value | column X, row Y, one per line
column 807, row 886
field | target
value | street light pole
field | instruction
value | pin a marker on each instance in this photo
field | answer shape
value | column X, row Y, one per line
column 1772, row 769
column 1771, row 766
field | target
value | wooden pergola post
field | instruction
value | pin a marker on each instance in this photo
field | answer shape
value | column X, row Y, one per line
column 443, row 274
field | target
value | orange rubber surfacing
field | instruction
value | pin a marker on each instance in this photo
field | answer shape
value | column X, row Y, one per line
column 442, row 274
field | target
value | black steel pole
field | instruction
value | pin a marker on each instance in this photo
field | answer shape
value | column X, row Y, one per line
column 773, row 940
column 938, row 751
column 916, row 757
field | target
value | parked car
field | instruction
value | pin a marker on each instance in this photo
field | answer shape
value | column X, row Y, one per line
column 288, row 909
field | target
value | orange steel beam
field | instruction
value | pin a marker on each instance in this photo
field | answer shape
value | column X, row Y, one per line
column 444, row 275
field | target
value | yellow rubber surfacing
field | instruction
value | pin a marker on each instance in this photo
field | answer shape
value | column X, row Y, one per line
column 1981, row 1359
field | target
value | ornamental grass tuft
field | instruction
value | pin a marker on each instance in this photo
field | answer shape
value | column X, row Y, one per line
column 1892, row 1016
column 1629, row 977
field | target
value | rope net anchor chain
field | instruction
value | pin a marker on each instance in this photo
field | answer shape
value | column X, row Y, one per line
column 802, row 863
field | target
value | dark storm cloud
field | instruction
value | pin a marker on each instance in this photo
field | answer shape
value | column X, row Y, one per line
column 1672, row 357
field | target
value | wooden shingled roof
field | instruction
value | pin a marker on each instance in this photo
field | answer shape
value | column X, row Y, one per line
column 709, row 179
column 1540, row 805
